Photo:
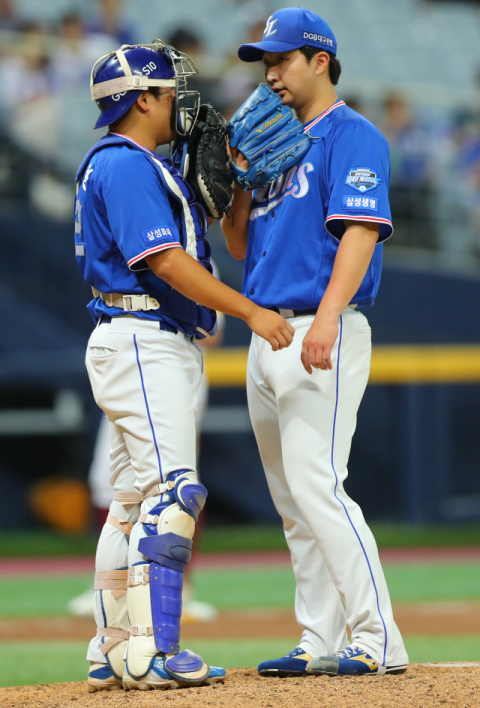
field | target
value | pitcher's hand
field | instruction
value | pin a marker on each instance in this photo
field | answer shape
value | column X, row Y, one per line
column 318, row 344
column 239, row 158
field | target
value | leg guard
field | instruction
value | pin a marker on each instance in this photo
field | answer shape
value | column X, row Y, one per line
column 155, row 588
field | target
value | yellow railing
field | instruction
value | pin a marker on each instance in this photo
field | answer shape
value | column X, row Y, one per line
column 390, row 364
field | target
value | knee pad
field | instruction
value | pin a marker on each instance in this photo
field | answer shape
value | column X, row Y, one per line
column 190, row 496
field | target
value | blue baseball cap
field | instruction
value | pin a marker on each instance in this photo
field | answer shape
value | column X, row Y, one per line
column 288, row 29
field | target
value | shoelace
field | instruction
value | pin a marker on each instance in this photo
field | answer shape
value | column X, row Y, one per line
column 346, row 653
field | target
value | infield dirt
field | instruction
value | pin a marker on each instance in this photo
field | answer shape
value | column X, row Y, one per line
column 421, row 687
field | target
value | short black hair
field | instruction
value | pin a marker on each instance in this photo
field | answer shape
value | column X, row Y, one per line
column 155, row 90
column 334, row 66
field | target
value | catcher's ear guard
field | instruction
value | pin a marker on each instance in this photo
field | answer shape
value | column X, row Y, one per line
column 269, row 136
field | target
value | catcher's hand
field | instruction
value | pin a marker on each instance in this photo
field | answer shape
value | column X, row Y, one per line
column 269, row 136
column 205, row 165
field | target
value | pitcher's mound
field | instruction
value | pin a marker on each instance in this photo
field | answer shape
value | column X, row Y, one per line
column 424, row 685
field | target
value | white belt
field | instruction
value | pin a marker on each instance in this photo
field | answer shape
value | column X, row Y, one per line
column 130, row 303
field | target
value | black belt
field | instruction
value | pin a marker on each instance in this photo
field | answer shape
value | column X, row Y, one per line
column 164, row 326
column 296, row 313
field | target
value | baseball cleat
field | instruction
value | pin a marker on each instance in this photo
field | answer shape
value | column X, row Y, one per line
column 181, row 670
column 293, row 664
column 102, row 678
column 352, row 661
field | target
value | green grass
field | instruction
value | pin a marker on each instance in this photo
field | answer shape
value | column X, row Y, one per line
column 436, row 581
column 25, row 663
column 30, row 544
column 247, row 587
column 274, row 587
column 215, row 539
column 458, row 647
column 40, row 596
column 53, row 662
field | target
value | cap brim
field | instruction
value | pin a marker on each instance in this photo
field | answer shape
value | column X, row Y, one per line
column 254, row 52
column 116, row 112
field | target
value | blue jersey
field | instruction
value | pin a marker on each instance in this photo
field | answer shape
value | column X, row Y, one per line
column 296, row 223
column 132, row 203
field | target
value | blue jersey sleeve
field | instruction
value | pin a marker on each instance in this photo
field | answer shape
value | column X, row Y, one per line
column 358, row 177
column 139, row 213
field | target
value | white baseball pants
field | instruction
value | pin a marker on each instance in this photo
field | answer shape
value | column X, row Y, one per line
column 304, row 426
column 146, row 382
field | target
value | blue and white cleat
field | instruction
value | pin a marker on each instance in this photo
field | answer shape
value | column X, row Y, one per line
column 352, row 661
column 180, row 670
column 102, row 678
column 293, row 664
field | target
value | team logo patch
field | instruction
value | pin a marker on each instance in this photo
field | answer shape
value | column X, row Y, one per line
column 362, row 178
column 156, row 234
column 350, row 202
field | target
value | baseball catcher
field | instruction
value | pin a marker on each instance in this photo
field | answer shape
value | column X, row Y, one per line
column 269, row 136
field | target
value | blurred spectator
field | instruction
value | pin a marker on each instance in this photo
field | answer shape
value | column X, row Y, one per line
column 109, row 20
column 466, row 167
column 241, row 78
column 24, row 75
column 26, row 81
column 411, row 191
column 8, row 16
column 209, row 67
column 76, row 53
column 408, row 150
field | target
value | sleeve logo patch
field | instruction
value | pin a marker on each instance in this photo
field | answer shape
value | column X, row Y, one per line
column 362, row 178
column 156, row 234
column 349, row 202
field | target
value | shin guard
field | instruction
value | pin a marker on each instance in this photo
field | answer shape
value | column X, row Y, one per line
column 155, row 587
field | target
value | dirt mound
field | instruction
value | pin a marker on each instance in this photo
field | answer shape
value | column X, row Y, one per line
column 421, row 687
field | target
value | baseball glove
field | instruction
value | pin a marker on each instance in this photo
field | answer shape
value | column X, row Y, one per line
column 202, row 159
column 269, row 136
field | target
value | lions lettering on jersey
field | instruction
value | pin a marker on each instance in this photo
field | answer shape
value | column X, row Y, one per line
column 293, row 183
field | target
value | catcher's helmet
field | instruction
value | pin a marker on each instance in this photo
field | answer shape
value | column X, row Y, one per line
column 119, row 78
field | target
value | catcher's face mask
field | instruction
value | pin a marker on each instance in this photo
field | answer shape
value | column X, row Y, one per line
column 119, row 78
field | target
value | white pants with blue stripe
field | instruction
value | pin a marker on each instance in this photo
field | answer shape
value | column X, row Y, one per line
column 304, row 426
column 146, row 381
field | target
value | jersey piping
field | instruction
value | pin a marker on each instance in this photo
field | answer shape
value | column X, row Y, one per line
column 149, row 251
column 126, row 137
column 358, row 218
column 322, row 115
